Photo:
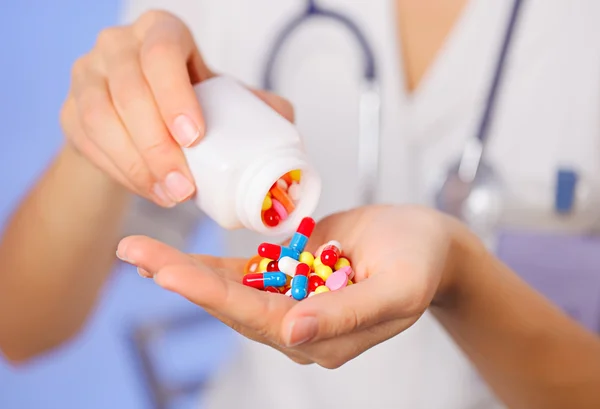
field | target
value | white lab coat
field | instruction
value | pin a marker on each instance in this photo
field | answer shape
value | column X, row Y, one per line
column 548, row 116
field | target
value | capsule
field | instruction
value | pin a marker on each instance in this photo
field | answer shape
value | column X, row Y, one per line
column 272, row 267
column 314, row 281
column 252, row 265
column 300, row 238
column 307, row 258
column 262, row 266
column 341, row 263
column 272, row 290
column 276, row 252
column 321, row 289
column 300, row 282
column 331, row 253
column 261, row 281
column 323, row 271
column 288, row 265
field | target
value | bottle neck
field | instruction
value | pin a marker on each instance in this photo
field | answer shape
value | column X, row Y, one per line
column 257, row 179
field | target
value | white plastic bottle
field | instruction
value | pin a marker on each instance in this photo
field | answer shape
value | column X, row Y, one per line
column 247, row 148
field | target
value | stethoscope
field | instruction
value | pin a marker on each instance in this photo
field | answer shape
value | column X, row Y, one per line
column 470, row 190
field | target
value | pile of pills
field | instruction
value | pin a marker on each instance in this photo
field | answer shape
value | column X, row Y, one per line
column 281, row 199
column 298, row 273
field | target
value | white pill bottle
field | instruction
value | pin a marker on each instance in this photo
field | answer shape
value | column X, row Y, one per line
column 247, row 148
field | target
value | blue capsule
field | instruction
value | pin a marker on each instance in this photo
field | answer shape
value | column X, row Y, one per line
column 299, row 287
column 264, row 280
column 298, row 242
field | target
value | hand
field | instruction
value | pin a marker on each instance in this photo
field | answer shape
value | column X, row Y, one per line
column 404, row 257
column 132, row 106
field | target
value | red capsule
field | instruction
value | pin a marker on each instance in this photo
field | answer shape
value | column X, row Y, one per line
column 269, row 250
column 330, row 255
column 302, row 270
column 314, row 281
column 261, row 281
column 272, row 266
column 272, row 290
column 306, row 227
column 271, row 217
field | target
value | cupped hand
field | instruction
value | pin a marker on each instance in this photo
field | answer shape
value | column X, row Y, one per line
column 403, row 258
column 131, row 106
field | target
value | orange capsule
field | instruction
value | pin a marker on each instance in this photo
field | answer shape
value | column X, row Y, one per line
column 288, row 178
column 252, row 265
column 282, row 197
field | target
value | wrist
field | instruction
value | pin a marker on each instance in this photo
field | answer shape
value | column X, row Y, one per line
column 465, row 257
column 81, row 167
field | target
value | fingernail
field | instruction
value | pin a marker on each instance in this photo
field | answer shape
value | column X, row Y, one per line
column 302, row 330
column 178, row 186
column 162, row 196
column 143, row 273
column 120, row 257
column 185, row 131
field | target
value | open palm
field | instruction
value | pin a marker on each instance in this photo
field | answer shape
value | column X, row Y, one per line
column 399, row 255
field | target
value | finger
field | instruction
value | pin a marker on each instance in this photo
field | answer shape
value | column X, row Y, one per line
column 103, row 127
column 168, row 57
column 152, row 255
column 76, row 135
column 278, row 103
column 137, row 109
column 334, row 314
column 260, row 311
column 149, row 254
column 231, row 268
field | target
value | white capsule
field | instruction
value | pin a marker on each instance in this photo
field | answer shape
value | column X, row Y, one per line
column 289, row 292
column 294, row 191
column 335, row 244
column 311, row 294
column 282, row 184
column 287, row 265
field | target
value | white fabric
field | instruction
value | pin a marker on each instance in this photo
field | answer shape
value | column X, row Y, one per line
column 548, row 116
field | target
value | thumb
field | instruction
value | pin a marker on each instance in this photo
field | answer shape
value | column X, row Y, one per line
column 278, row 103
column 342, row 312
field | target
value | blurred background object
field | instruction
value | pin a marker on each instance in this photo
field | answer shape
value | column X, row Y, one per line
column 143, row 347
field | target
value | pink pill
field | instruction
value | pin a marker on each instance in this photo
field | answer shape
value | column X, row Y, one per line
column 348, row 271
column 280, row 209
column 337, row 281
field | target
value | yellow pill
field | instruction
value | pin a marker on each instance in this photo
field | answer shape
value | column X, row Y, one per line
column 317, row 262
column 267, row 203
column 296, row 175
column 341, row 263
column 262, row 266
column 350, row 282
column 307, row 258
column 323, row 271
column 321, row 289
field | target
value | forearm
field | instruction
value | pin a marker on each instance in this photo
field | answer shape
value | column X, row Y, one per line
column 56, row 252
column 531, row 354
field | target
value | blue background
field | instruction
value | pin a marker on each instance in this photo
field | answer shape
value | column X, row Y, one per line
column 39, row 40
